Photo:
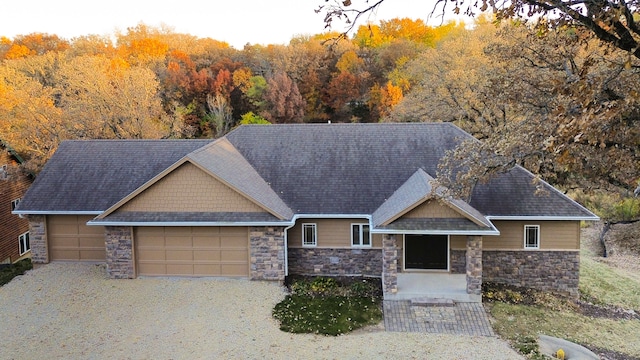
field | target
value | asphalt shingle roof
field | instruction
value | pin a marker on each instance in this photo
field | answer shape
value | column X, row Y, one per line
column 292, row 169
column 92, row 175
column 223, row 160
column 163, row 217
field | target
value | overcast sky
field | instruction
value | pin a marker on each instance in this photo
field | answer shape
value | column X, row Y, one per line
column 237, row 21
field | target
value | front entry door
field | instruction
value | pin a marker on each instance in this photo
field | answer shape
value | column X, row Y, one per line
column 426, row 252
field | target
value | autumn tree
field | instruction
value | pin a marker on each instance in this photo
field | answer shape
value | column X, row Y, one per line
column 285, row 105
column 103, row 98
column 29, row 119
column 559, row 105
column 613, row 22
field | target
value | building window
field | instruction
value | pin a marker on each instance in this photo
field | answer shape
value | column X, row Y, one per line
column 532, row 236
column 309, row 235
column 360, row 235
column 4, row 172
column 14, row 204
column 24, row 243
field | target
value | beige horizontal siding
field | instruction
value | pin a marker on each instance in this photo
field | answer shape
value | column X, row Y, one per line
column 188, row 188
column 332, row 233
column 554, row 235
column 458, row 242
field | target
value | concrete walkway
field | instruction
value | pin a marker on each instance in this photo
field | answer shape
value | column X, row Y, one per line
column 464, row 318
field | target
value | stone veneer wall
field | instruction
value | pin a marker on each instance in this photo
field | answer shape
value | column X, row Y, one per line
column 458, row 262
column 389, row 264
column 267, row 253
column 325, row 261
column 119, row 252
column 474, row 265
column 555, row 271
column 38, row 239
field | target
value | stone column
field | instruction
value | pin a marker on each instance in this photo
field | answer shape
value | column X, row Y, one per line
column 474, row 265
column 119, row 252
column 38, row 239
column 267, row 253
column 389, row 264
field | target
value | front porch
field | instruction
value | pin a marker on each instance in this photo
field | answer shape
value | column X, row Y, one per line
column 432, row 286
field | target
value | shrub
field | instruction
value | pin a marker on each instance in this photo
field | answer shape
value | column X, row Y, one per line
column 330, row 306
column 333, row 315
column 19, row 268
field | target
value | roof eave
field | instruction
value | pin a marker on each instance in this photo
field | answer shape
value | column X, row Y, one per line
column 543, row 218
column 54, row 212
column 189, row 223
column 491, row 232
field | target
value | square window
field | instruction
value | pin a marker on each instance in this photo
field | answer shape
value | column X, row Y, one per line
column 360, row 235
column 309, row 235
column 532, row 236
column 23, row 241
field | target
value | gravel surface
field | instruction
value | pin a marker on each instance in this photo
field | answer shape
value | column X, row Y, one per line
column 73, row 311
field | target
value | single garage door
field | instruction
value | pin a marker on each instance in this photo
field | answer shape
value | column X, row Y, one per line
column 71, row 239
column 192, row 251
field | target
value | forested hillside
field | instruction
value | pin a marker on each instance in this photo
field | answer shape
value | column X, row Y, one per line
column 557, row 101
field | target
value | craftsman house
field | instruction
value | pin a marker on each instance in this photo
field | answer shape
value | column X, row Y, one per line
column 14, row 231
column 266, row 201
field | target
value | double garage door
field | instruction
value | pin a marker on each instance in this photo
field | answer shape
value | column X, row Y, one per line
column 179, row 251
column 192, row 251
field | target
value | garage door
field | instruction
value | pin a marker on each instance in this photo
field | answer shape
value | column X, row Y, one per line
column 192, row 251
column 72, row 240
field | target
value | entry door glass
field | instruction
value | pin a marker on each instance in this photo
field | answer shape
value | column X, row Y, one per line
column 426, row 252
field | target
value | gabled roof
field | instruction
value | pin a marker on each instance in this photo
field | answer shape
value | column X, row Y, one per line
column 342, row 168
column 414, row 191
column 88, row 176
column 417, row 190
column 224, row 161
column 295, row 170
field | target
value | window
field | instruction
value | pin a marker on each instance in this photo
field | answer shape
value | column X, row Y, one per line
column 14, row 204
column 360, row 235
column 24, row 243
column 4, row 174
column 309, row 235
column 532, row 236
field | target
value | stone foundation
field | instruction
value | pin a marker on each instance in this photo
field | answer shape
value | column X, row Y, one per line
column 119, row 252
column 555, row 271
column 267, row 253
column 335, row 262
column 458, row 262
column 38, row 239
column 389, row 264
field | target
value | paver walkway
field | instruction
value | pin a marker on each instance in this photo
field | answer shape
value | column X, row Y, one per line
column 459, row 318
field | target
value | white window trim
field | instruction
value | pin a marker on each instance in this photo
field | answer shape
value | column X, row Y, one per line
column 22, row 238
column 360, row 225
column 14, row 203
column 315, row 235
column 526, row 228
column 4, row 173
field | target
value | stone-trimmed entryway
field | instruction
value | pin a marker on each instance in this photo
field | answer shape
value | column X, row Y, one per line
column 473, row 265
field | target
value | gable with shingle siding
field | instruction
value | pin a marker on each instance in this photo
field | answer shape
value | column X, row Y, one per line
column 189, row 189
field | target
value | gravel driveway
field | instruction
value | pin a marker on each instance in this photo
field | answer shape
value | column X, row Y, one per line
column 73, row 311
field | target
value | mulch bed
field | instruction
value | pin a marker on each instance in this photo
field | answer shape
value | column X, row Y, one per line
column 607, row 312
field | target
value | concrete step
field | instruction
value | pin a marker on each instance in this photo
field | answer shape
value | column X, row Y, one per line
column 428, row 301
